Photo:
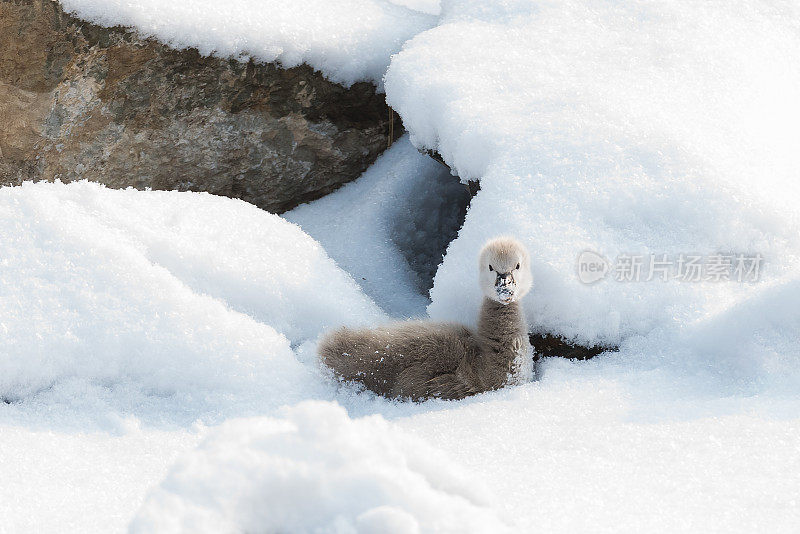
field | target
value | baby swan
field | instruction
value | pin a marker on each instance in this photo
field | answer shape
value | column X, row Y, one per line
column 419, row 359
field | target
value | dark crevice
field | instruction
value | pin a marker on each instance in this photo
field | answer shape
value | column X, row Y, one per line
column 429, row 223
column 548, row 345
column 473, row 186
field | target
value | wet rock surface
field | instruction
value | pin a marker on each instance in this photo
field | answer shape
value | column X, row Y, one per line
column 78, row 101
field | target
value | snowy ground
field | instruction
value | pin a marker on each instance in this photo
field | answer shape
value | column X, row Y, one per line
column 157, row 348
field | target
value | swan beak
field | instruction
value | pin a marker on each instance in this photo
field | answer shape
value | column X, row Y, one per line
column 505, row 286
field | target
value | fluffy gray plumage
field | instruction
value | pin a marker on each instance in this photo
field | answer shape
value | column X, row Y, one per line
column 419, row 359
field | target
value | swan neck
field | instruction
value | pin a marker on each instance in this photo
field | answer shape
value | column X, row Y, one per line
column 501, row 323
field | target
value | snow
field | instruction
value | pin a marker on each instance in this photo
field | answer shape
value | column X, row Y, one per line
column 187, row 296
column 157, row 348
column 649, row 128
column 391, row 227
column 567, row 455
column 314, row 470
column 101, row 432
column 80, row 481
column 128, row 321
column 643, row 128
column 347, row 40
column 432, row 7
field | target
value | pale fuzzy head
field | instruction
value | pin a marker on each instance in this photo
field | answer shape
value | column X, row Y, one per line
column 505, row 270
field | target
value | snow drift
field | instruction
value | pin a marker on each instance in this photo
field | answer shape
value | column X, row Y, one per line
column 624, row 129
column 315, row 470
column 179, row 295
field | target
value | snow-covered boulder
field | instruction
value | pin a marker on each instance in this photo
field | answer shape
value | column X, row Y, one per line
column 348, row 41
column 273, row 102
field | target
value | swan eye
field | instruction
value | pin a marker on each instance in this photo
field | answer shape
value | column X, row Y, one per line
column 490, row 268
column 517, row 267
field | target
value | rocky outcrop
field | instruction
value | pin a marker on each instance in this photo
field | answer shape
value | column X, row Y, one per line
column 78, row 101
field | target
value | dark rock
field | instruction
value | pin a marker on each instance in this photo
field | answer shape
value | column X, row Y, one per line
column 78, row 101
column 546, row 346
column 473, row 186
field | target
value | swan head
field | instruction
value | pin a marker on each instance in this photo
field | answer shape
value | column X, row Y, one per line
column 505, row 270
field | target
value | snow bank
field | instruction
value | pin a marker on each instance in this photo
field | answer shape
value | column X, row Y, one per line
column 645, row 128
column 81, row 481
column 315, row 470
column 750, row 348
column 390, row 228
column 183, row 296
column 347, row 40
column 580, row 452
column 687, row 433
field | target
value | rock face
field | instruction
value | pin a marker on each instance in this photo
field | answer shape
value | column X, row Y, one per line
column 549, row 346
column 78, row 101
